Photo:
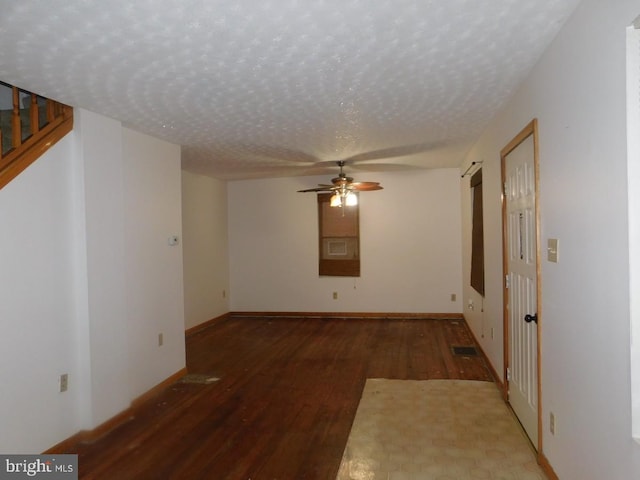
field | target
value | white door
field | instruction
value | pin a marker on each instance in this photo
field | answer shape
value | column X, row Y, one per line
column 521, row 284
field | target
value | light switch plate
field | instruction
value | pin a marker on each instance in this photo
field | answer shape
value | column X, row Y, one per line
column 552, row 250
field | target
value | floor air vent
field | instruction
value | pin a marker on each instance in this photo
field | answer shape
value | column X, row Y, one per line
column 465, row 351
column 199, row 378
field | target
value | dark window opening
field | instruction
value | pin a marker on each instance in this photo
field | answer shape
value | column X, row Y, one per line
column 339, row 243
column 477, row 234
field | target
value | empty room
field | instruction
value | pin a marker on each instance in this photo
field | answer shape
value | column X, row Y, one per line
column 320, row 240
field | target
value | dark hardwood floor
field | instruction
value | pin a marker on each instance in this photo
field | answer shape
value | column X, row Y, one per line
column 283, row 407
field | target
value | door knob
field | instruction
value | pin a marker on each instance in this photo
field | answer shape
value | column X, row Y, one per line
column 531, row 318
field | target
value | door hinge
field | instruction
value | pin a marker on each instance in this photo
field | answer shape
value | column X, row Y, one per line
column 508, row 374
column 507, row 282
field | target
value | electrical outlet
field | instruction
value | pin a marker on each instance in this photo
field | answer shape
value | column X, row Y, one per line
column 160, row 339
column 224, row 294
column 552, row 423
column 335, row 295
column 491, row 333
column 64, row 382
column 453, row 297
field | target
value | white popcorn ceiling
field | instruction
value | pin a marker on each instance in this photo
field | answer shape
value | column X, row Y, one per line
column 266, row 88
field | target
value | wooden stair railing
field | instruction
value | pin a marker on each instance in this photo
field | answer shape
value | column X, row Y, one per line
column 28, row 129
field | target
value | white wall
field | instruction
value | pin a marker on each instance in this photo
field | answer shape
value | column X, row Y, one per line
column 100, row 196
column 410, row 246
column 577, row 92
column 206, row 251
column 79, row 295
column 154, row 278
column 37, row 307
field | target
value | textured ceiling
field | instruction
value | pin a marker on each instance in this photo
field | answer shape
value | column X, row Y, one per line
column 265, row 88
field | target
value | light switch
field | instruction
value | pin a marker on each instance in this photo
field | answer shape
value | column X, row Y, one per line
column 552, row 250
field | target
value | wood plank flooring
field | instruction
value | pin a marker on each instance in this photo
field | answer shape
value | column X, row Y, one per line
column 283, row 407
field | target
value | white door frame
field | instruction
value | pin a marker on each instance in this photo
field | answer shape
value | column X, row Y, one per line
column 530, row 130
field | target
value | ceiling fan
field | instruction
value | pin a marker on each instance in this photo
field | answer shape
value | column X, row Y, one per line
column 343, row 188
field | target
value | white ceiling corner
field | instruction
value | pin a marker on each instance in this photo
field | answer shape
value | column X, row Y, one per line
column 266, row 88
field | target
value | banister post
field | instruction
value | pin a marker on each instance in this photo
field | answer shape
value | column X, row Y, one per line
column 16, row 124
column 51, row 113
column 34, row 114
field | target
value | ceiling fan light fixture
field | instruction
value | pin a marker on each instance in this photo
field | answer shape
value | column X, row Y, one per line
column 351, row 199
column 336, row 200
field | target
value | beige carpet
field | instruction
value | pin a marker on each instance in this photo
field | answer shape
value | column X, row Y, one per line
column 436, row 429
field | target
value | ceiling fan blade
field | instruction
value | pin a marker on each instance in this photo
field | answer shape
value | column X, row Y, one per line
column 317, row 189
column 365, row 186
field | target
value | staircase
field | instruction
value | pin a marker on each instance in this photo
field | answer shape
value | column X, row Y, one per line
column 29, row 125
